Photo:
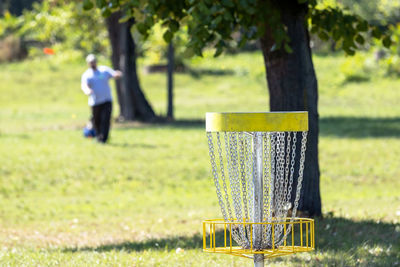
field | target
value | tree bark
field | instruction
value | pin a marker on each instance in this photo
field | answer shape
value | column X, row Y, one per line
column 293, row 86
column 131, row 99
column 170, row 81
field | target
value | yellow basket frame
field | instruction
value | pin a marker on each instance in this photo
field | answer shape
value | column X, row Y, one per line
column 305, row 243
column 296, row 121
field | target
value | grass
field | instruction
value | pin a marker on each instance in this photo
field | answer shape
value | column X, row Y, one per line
column 68, row 201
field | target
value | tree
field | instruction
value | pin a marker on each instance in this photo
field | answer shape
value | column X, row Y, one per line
column 132, row 102
column 283, row 30
column 170, row 81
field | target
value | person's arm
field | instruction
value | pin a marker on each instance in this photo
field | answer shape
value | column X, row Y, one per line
column 117, row 74
column 85, row 86
column 86, row 89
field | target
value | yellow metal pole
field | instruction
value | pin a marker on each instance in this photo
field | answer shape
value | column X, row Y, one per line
column 306, row 234
column 214, row 235
column 230, row 237
column 251, row 237
column 284, row 234
column 313, row 235
column 211, row 235
column 301, row 233
column 204, row 235
column 292, row 236
column 224, row 235
column 273, row 236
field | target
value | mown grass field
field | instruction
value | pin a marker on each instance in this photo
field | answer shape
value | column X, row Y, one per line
column 68, row 201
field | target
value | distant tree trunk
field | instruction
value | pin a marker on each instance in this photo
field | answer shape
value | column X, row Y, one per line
column 293, row 86
column 170, row 81
column 133, row 103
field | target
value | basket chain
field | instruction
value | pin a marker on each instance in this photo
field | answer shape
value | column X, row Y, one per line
column 278, row 173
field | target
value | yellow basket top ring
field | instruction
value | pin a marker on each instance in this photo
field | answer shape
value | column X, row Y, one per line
column 295, row 121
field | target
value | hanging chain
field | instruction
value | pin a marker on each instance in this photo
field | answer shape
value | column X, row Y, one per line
column 288, row 200
column 301, row 171
column 267, row 188
column 233, row 147
column 285, row 204
column 278, row 168
column 250, row 185
column 243, row 174
column 215, row 174
column 221, row 164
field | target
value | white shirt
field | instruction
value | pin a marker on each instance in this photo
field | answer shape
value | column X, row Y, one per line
column 97, row 80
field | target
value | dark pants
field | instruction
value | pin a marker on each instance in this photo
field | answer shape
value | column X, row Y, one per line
column 101, row 120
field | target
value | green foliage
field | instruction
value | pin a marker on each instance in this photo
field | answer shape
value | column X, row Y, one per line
column 154, row 48
column 390, row 62
column 377, row 12
column 378, row 61
column 349, row 31
column 62, row 26
column 213, row 22
column 355, row 69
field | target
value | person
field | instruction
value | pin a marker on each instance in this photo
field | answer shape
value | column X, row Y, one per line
column 94, row 84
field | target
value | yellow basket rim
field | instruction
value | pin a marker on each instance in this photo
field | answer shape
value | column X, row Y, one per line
column 287, row 221
column 290, row 121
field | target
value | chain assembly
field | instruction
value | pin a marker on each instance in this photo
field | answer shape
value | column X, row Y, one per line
column 234, row 165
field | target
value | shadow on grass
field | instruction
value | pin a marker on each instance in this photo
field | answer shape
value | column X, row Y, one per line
column 336, row 235
column 199, row 73
column 169, row 243
column 360, row 127
column 344, row 242
column 356, row 127
column 136, row 145
column 189, row 123
column 14, row 135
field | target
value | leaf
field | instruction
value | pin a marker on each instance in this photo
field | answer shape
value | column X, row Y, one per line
column 336, row 34
column 349, row 51
column 242, row 41
column 228, row 3
column 101, row 3
column 387, row 41
column 141, row 28
column 360, row 39
column 362, row 26
column 314, row 29
column 168, row 36
column 87, row 5
column 323, row 36
column 288, row 49
column 173, row 26
column 376, row 32
column 105, row 12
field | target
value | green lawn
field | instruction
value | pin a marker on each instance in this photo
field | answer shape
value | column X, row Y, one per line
column 68, row 201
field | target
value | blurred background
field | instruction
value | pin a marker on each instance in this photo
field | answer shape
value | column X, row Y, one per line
column 140, row 199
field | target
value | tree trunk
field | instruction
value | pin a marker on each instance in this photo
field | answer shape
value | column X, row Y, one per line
column 293, row 86
column 170, row 81
column 114, row 36
column 133, row 103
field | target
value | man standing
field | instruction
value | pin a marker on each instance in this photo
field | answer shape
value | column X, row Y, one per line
column 94, row 83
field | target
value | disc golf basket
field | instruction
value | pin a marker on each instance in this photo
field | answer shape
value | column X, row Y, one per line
column 257, row 162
